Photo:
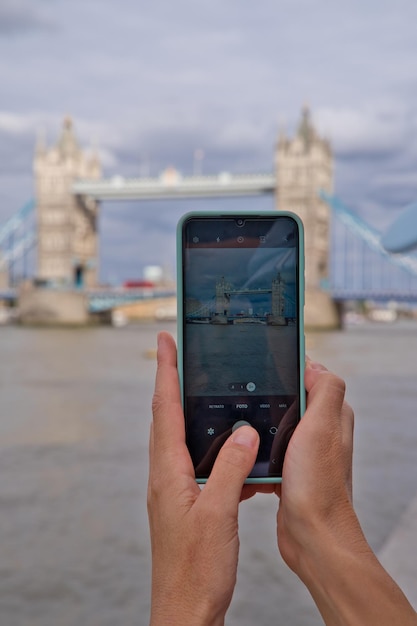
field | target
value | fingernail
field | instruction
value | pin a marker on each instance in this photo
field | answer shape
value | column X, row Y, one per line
column 314, row 365
column 161, row 340
column 245, row 436
column 319, row 366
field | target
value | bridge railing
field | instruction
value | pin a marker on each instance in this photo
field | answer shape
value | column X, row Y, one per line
column 360, row 267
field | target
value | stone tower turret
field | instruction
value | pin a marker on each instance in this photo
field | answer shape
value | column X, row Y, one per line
column 222, row 296
column 67, row 225
column 304, row 166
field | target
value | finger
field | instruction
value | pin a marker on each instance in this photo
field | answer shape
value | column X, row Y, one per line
column 233, row 465
column 312, row 370
column 347, row 422
column 249, row 491
column 170, row 454
column 166, row 402
column 151, row 466
column 150, row 448
column 347, row 425
column 326, row 391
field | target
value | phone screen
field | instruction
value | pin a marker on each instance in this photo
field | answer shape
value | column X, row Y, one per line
column 241, row 334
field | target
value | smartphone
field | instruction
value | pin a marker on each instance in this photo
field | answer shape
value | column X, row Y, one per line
column 241, row 333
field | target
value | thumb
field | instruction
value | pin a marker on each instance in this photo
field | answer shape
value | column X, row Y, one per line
column 232, row 466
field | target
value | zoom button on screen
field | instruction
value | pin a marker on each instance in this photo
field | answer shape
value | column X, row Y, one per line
column 237, row 386
column 250, row 386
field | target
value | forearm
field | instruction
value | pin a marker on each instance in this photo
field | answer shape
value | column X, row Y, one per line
column 350, row 586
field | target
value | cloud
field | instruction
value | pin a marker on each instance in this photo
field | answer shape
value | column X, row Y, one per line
column 396, row 179
column 364, row 131
column 22, row 16
column 151, row 82
column 152, row 142
column 15, row 124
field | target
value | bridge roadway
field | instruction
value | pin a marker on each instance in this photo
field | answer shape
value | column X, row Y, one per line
column 244, row 292
column 171, row 184
column 376, row 295
column 104, row 299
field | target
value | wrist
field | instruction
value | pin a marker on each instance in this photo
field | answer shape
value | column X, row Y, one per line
column 304, row 538
column 178, row 615
column 328, row 552
column 182, row 607
column 346, row 580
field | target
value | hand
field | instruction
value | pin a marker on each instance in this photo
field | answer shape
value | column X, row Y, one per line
column 194, row 532
column 319, row 535
column 317, row 474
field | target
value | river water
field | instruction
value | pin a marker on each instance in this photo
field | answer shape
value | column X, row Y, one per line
column 75, row 413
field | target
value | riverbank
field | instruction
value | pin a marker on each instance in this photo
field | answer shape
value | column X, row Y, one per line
column 75, row 414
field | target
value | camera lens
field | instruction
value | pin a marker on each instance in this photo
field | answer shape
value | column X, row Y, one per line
column 240, row 222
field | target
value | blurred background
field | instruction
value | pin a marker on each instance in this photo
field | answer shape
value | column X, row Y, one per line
column 171, row 95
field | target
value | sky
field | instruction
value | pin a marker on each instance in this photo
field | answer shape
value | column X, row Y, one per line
column 149, row 83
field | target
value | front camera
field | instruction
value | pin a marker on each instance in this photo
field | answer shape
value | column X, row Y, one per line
column 240, row 222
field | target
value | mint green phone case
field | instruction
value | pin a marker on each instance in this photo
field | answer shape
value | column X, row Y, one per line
column 180, row 303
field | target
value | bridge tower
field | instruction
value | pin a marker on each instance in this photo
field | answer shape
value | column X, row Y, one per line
column 222, row 297
column 278, row 297
column 66, row 224
column 304, row 166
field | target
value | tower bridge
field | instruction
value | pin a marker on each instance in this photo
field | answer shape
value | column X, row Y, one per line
column 344, row 257
column 219, row 309
column 70, row 188
column 280, row 310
